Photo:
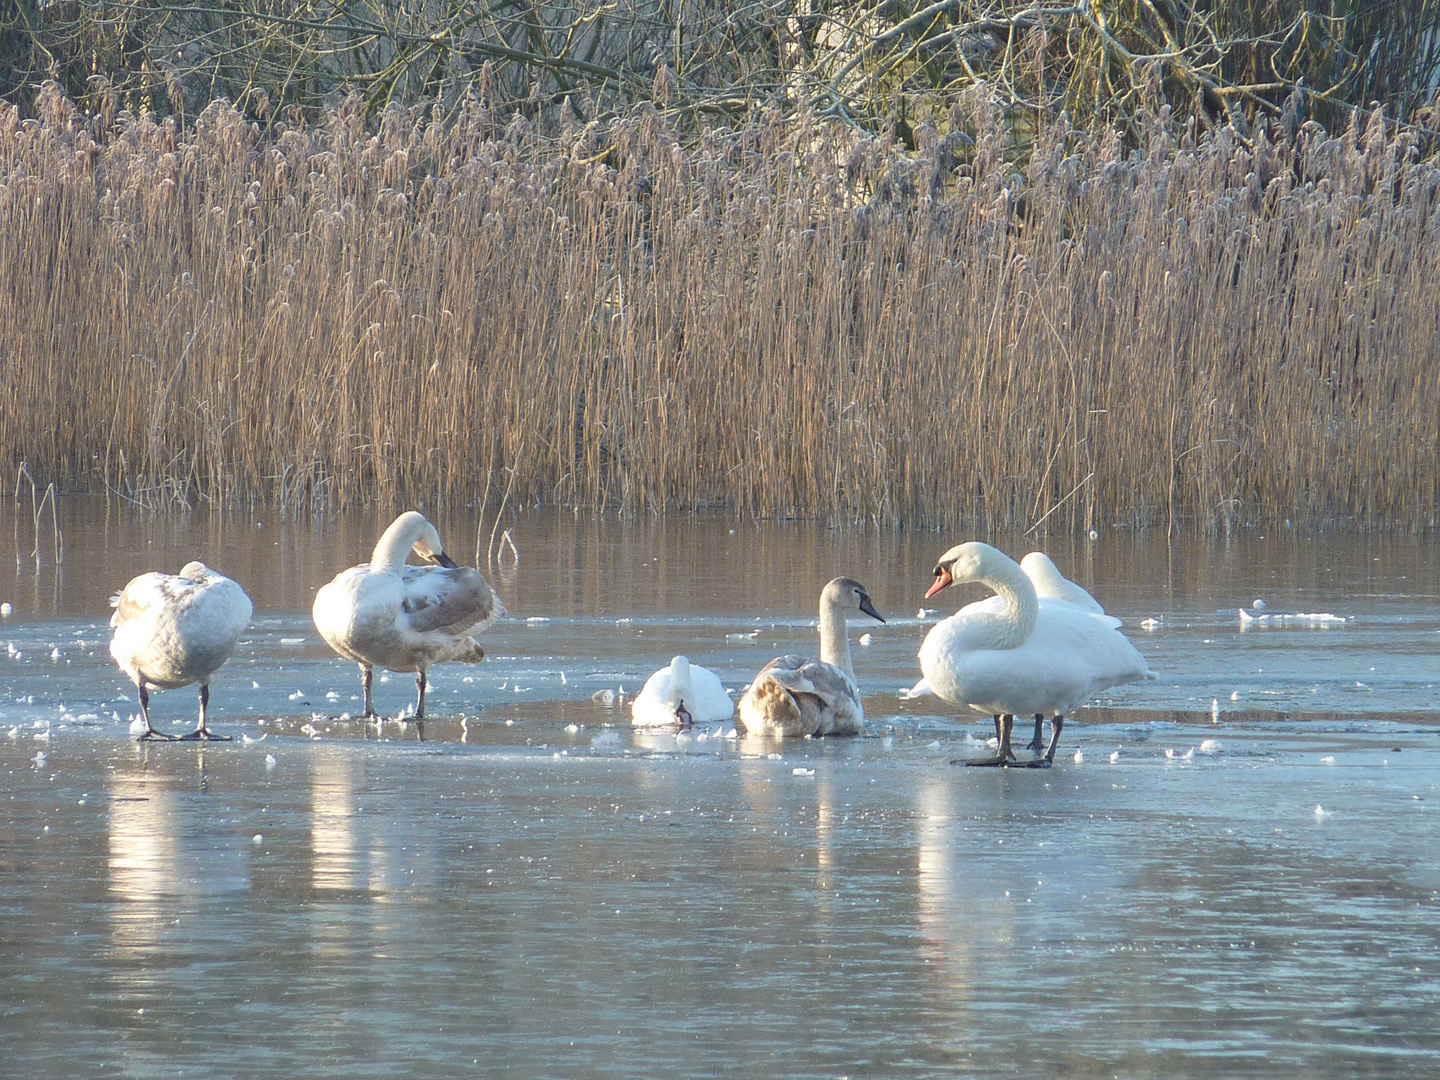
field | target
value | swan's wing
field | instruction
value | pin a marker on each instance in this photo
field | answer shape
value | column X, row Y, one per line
column 458, row 601
column 789, row 662
column 146, row 592
column 821, row 680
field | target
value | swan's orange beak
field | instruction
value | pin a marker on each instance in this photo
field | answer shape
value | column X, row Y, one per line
column 943, row 580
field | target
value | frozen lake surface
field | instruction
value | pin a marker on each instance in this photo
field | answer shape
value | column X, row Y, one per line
column 1251, row 887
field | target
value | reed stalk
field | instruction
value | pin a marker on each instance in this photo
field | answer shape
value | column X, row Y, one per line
column 782, row 317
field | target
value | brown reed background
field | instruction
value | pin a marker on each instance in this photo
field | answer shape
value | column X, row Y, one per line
column 784, row 317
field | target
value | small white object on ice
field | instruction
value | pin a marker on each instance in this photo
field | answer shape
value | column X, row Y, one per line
column 1094, row 535
column 751, row 636
column 1078, row 756
column 137, row 725
column 1209, row 746
column 608, row 740
column 537, row 619
column 572, row 728
column 1258, row 605
column 331, row 695
column 866, row 639
column 802, row 772
column 925, row 611
column 39, row 758
column 1149, row 624
column 269, row 762
column 55, row 653
column 257, row 838
column 309, row 729
column 254, row 685
column 297, row 695
column 292, row 641
column 6, row 610
column 249, row 740
column 1327, row 760
column 1234, row 695
column 1170, row 753
column 1215, row 710
column 604, row 697
column 1114, row 756
column 1320, row 811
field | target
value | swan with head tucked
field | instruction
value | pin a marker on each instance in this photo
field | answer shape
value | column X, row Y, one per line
column 681, row 693
column 1050, row 584
column 172, row 630
column 794, row 695
column 1016, row 653
column 406, row 618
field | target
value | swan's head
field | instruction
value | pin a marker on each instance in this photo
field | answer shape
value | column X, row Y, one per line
column 427, row 546
column 197, row 571
column 848, row 592
column 965, row 562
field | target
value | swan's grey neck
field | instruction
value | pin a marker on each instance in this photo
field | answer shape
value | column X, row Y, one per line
column 834, row 641
column 393, row 547
column 1013, row 625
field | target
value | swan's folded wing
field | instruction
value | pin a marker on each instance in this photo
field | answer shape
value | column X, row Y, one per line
column 147, row 591
column 824, row 681
column 458, row 601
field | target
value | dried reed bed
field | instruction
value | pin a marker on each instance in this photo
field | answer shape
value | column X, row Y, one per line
column 784, row 318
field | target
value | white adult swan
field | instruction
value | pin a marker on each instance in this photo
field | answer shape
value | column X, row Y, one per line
column 681, row 693
column 406, row 618
column 1024, row 655
column 173, row 630
column 794, row 695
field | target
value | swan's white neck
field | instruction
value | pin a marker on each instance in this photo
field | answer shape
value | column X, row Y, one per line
column 394, row 545
column 834, row 641
column 1013, row 625
column 682, row 688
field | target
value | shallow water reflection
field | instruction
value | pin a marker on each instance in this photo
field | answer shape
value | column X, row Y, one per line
column 535, row 889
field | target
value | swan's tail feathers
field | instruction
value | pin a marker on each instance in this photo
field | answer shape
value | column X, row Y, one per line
column 920, row 689
column 770, row 709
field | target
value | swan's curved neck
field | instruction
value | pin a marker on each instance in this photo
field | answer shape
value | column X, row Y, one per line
column 834, row 641
column 1012, row 625
column 394, row 545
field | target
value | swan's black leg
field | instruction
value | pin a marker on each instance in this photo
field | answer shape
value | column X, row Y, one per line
column 150, row 732
column 1049, row 759
column 367, row 679
column 202, row 732
column 1037, row 743
column 1005, row 754
column 420, row 686
column 997, row 729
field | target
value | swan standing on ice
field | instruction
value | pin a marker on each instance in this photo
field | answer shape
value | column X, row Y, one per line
column 1022, row 654
column 682, row 693
column 794, row 695
column 171, row 631
column 406, row 618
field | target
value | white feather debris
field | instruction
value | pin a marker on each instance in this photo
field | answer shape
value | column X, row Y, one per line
column 1114, row 756
column 1209, row 746
column 269, row 762
column 802, row 772
column 1149, row 624
column 866, row 639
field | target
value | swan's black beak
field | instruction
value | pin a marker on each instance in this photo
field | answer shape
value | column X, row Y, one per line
column 869, row 609
column 683, row 715
column 446, row 561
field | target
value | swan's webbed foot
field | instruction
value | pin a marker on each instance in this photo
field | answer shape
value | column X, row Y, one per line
column 1037, row 743
column 997, row 762
column 151, row 735
column 203, row 735
column 1038, row 763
